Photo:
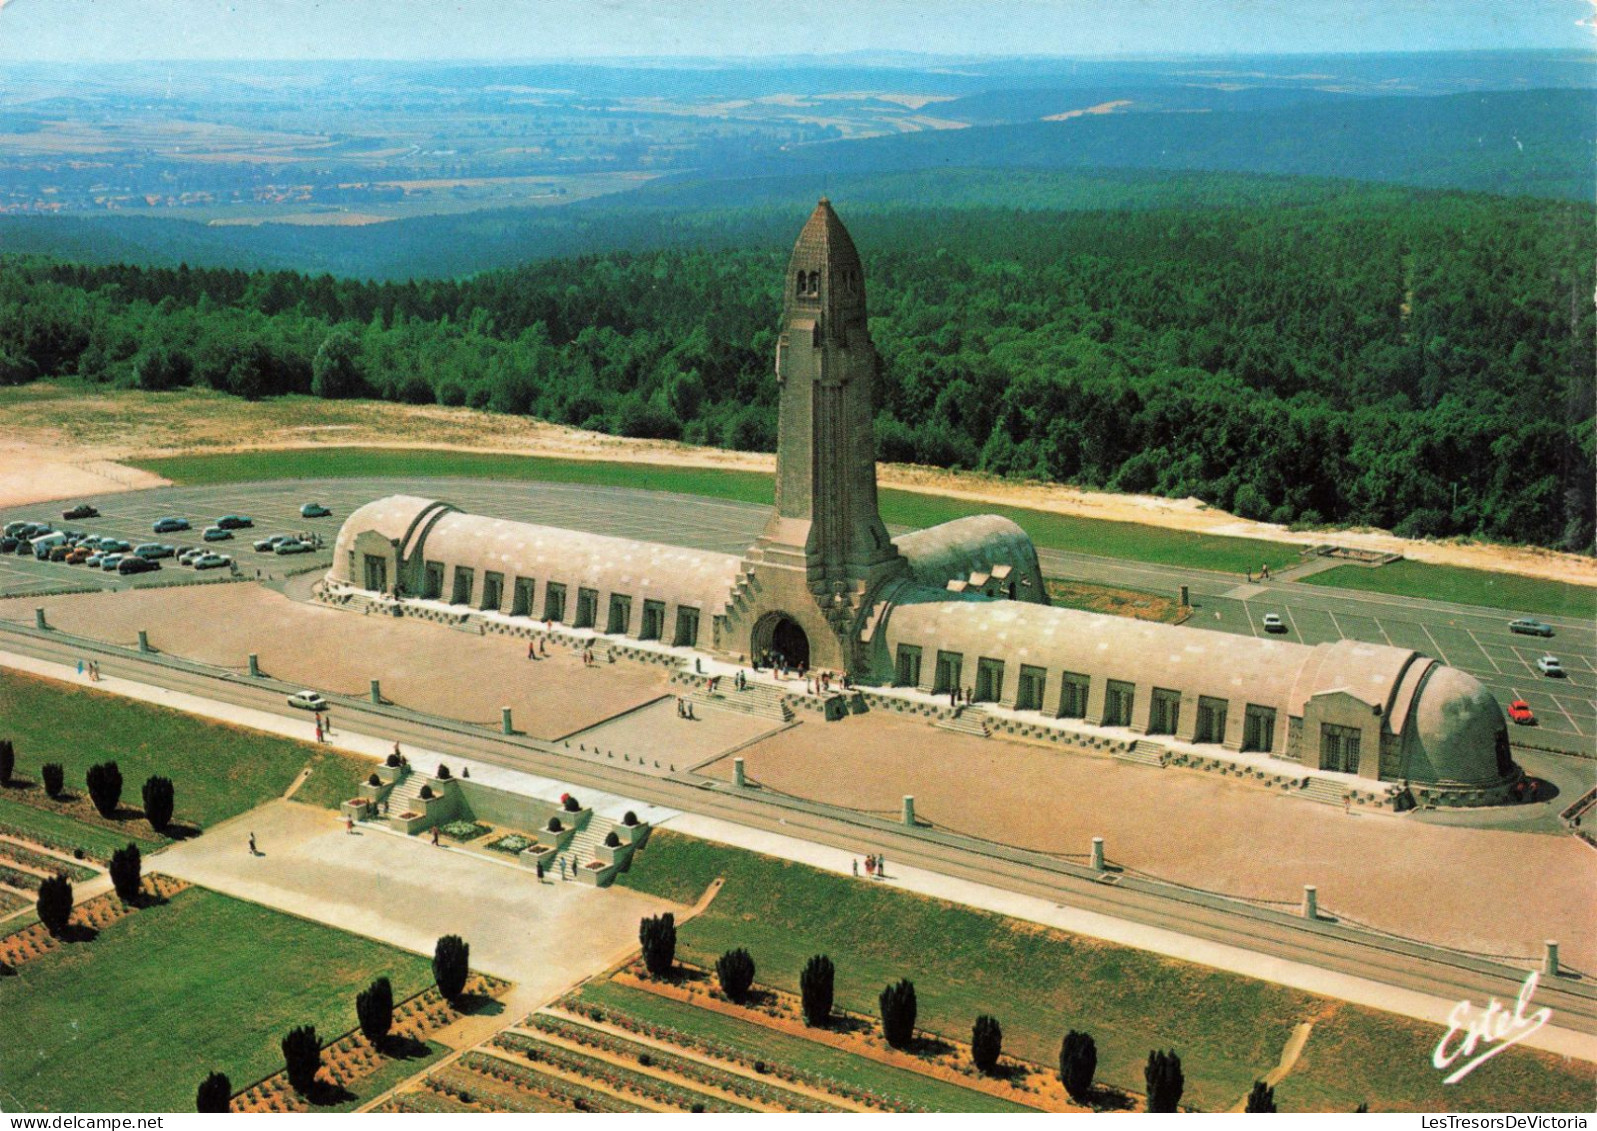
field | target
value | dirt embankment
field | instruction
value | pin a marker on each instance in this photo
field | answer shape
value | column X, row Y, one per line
column 62, row 441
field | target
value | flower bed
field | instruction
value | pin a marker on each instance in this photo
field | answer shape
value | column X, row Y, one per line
column 613, row 1075
column 59, row 844
column 693, row 1070
column 43, row 862
column 464, row 830
column 98, row 913
column 527, row 1078
column 25, row 881
column 512, row 844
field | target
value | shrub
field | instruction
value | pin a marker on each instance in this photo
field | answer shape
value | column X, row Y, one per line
column 55, row 904
column 1078, row 1061
column 1164, row 1080
column 658, row 934
column 159, row 801
column 105, row 787
column 373, row 779
column 630, row 820
column 126, row 873
column 451, row 964
column 1261, row 1101
column 645, row 1059
column 898, row 1012
column 572, row 805
column 425, row 793
column 374, row 1006
column 393, row 761
column 735, row 971
column 302, row 1057
column 213, row 1094
column 55, row 778
column 555, row 826
column 443, row 773
column 611, row 840
column 986, row 1043
column 8, row 760
column 815, row 990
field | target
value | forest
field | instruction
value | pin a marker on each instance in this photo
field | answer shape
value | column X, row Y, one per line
column 1413, row 360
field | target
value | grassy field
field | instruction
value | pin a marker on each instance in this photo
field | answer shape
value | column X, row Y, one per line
column 1466, row 587
column 135, row 1019
column 217, row 770
column 1113, row 600
column 779, row 1048
column 61, row 831
column 1228, row 1029
column 905, row 508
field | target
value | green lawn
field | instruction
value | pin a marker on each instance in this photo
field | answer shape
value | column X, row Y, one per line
column 906, row 508
column 1466, row 587
column 133, row 1020
column 1228, row 1029
column 217, row 770
column 57, row 830
column 779, row 1048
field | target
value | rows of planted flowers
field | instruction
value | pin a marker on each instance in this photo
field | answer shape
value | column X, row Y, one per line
column 613, row 1076
column 529, row 1080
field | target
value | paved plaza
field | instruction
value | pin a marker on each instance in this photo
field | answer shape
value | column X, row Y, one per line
column 1385, row 871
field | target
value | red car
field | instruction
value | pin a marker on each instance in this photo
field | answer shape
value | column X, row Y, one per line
column 1520, row 712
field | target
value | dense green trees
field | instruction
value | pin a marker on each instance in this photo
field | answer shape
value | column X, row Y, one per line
column 54, row 904
column 986, row 1043
column 897, row 1001
column 127, row 868
column 374, row 1008
column 816, row 986
column 735, row 971
column 213, row 1095
column 159, row 797
column 8, row 760
column 105, row 787
column 451, row 966
column 1164, row 1079
column 658, row 935
column 302, row 1058
column 1412, row 360
column 55, row 778
column 1078, row 1062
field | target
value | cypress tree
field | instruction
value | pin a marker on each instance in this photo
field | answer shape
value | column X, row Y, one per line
column 451, row 964
column 1162, row 1074
column 158, row 802
column 898, row 1013
column 213, row 1094
column 374, row 1006
column 735, row 970
column 658, row 934
column 55, row 904
column 126, row 873
column 815, row 991
column 1078, row 1061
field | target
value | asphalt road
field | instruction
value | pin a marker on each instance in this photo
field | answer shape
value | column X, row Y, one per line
column 1326, row 945
column 1472, row 639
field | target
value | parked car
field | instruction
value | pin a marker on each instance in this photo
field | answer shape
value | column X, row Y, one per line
column 307, row 701
column 169, row 525
column 82, row 510
column 314, row 510
column 1550, row 666
column 189, row 556
column 44, row 545
column 293, row 546
column 212, row 561
column 234, row 522
column 133, row 563
column 8, row 544
column 1520, row 712
column 267, row 545
column 93, row 560
column 115, row 546
column 1274, row 623
column 1526, row 626
column 216, row 534
column 13, row 529
column 31, row 530
column 59, row 553
column 79, row 555
column 152, row 550
column 111, row 561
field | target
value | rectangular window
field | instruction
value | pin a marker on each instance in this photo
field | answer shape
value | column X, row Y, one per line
column 1073, row 696
column 376, row 574
column 1211, row 720
column 493, row 590
column 521, row 597
column 1339, row 748
column 463, row 584
column 1028, row 695
column 554, row 602
column 687, row 627
column 1258, row 729
column 989, row 680
column 1118, row 699
column 1164, row 711
column 908, row 674
column 653, row 621
column 432, row 582
column 587, row 608
column 620, row 614
column 948, row 670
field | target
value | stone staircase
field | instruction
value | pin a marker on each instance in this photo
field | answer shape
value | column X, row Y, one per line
column 969, row 720
column 403, row 797
column 1325, row 791
column 1144, row 753
column 759, row 699
column 584, row 845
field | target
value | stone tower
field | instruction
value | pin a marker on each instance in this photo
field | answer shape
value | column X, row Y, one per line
column 824, row 551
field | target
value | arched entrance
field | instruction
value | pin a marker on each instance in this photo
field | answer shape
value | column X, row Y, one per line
column 778, row 632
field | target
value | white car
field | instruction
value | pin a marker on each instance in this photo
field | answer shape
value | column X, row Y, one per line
column 1549, row 665
column 307, row 701
column 1273, row 623
column 212, row 561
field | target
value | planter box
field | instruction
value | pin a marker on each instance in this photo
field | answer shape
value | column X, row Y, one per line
column 375, row 793
column 576, row 820
column 410, row 822
column 633, row 834
column 618, row 856
column 559, row 839
column 597, row 874
column 355, row 809
column 392, row 774
column 538, row 854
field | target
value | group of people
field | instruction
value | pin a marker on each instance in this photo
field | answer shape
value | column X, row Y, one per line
column 685, row 709
column 324, row 725
column 91, row 668
column 537, row 648
column 875, row 867
column 820, row 683
column 956, row 696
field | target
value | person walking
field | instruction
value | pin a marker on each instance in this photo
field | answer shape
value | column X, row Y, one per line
column 856, row 867
column 253, row 850
column 881, row 866
column 435, row 836
column 349, row 825
column 319, row 737
column 80, row 667
column 870, row 865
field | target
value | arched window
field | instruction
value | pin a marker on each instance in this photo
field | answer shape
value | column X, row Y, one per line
column 815, row 282
column 800, row 284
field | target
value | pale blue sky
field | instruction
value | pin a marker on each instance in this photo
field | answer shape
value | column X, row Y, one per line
column 94, row 30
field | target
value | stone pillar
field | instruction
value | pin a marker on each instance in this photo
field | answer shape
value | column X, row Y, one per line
column 909, row 809
column 504, row 720
column 1550, row 961
column 144, row 641
column 255, row 665
column 38, row 618
column 738, row 778
column 377, row 691
column 1186, row 597
column 1097, row 854
column 1311, row 902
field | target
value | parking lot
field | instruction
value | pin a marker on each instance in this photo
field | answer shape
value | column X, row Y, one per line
column 1474, row 640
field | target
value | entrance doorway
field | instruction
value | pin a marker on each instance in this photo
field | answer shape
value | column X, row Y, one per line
column 780, row 633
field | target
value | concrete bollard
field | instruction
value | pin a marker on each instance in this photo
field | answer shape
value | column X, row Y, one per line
column 909, row 809
column 38, row 618
column 144, row 641
column 1186, row 597
column 1550, row 961
column 377, row 691
column 1097, row 854
column 504, row 721
column 1311, row 902
column 255, row 665
column 737, row 773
